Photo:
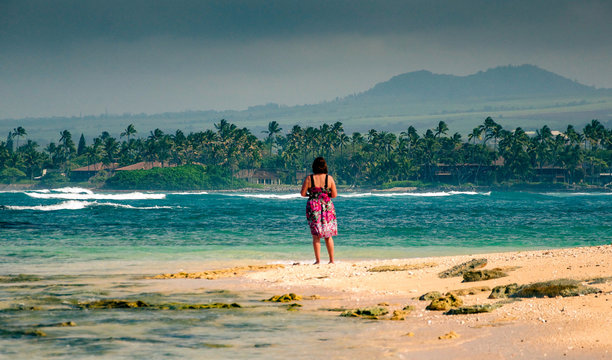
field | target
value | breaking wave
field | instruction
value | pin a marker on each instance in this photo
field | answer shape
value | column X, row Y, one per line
column 79, row 205
column 368, row 194
column 424, row 194
column 85, row 194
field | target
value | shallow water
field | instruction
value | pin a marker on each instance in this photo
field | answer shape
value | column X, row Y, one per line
column 86, row 246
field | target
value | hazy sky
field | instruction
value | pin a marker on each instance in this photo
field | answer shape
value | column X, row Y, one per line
column 66, row 57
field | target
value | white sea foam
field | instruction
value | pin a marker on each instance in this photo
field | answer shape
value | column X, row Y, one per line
column 423, row 194
column 268, row 196
column 367, row 194
column 190, row 193
column 570, row 194
column 96, row 196
column 66, row 205
column 79, row 205
column 72, row 190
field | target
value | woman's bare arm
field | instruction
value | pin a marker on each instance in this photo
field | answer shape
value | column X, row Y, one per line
column 334, row 191
column 305, row 187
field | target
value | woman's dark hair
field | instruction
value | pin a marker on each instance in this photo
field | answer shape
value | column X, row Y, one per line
column 319, row 166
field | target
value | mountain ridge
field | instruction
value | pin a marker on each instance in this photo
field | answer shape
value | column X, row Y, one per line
column 523, row 95
column 501, row 81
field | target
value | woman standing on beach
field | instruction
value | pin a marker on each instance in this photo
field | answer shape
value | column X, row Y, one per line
column 320, row 188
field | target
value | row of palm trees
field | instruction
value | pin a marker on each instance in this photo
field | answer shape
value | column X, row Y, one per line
column 490, row 154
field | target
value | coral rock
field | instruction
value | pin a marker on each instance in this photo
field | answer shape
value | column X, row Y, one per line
column 462, row 268
column 480, row 275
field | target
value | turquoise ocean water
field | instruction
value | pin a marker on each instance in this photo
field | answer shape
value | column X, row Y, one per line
column 83, row 246
column 75, row 224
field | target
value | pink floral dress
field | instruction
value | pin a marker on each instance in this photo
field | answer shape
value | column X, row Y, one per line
column 320, row 211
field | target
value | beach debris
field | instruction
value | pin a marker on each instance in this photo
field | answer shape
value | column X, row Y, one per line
column 313, row 297
column 383, row 304
column 473, row 309
column 284, row 298
column 460, row 269
column 503, row 291
column 19, row 278
column 445, row 303
column 372, row 312
column 430, row 296
column 410, row 334
column 554, row 288
column 471, row 291
column 126, row 304
column 481, row 275
column 449, row 335
column 405, row 267
column 220, row 273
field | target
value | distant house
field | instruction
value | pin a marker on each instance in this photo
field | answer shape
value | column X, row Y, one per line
column 256, row 176
column 86, row 172
column 551, row 173
column 145, row 165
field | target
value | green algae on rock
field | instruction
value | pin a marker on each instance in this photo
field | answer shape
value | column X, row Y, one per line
column 18, row 333
column 113, row 304
column 430, row 296
column 126, row 304
column 503, row 291
column 460, row 269
column 181, row 306
column 554, row 288
column 293, row 307
column 62, row 324
column 372, row 312
column 481, row 275
column 284, row 298
column 19, row 278
column 473, row 309
column 600, row 280
column 445, row 303
column 471, row 291
column 401, row 314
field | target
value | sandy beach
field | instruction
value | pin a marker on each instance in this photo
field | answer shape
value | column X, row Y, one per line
column 551, row 327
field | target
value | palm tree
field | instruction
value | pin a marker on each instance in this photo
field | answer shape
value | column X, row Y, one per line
column 476, row 134
column 17, row 133
column 66, row 148
column 273, row 129
column 129, row 131
column 441, row 129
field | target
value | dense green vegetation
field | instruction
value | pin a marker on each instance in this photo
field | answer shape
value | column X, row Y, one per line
column 186, row 177
column 211, row 158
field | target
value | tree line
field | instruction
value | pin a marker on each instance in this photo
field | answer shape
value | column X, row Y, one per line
column 489, row 154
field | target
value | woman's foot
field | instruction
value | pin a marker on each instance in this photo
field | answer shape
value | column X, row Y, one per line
column 316, row 263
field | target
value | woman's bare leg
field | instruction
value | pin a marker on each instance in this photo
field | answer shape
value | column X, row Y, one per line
column 316, row 244
column 329, row 243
